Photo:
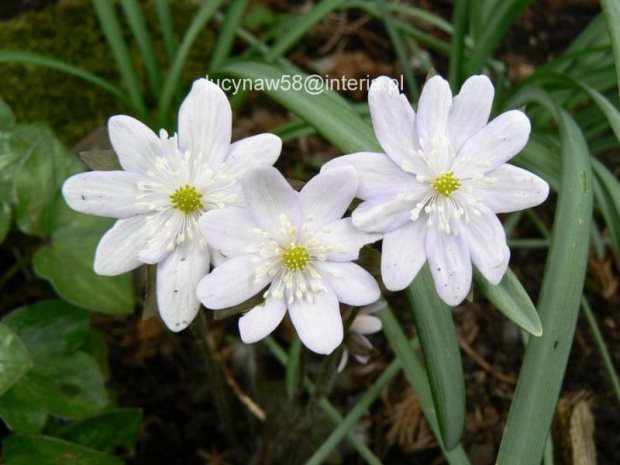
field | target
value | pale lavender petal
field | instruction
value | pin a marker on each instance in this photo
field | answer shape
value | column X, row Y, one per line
column 383, row 213
column 326, row 197
column 136, row 146
column 117, row 252
column 345, row 238
column 433, row 109
column 205, row 123
column 493, row 145
column 318, row 323
column 229, row 230
column 248, row 153
column 352, row 284
column 393, row 120
column 403, row 254
column 487, row 245
column 231, row 283
column 514, row 189
column 377, row 174
column 260, row 322
column 269, row 197
column 450, row 264
column 470, row 110
column 366, row 324
column 105, row 193
column 177, row 278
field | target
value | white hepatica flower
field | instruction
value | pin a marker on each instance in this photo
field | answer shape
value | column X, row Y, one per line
column 364, row 323
column 297, row 246
column 166, row 185
column 436, row 191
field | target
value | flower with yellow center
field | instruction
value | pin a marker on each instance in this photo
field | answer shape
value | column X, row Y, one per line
column 296, row 250
column 167, row 184
column 436, row 190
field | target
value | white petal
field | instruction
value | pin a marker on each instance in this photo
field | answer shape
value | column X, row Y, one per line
column 177, row 278
column 450, row 264
column 403, row 254
column 487, row 245
column 327, row 196
column 229, row 230
column 366, row 324
column 352, row 284
column 394, row 122
column 470, row 110
column 377, row 173
column 433, row 109
column 318, row 323
column 260, row 322
column 259, row 150
column 383, row 213
column 117, row 252
column 217, row 258
column 493, row 145
column 105, row 193
column 230, row 284
column 205, row 123
column 515, row 189
column 268, row 197
column 347, row 237
column 135, row 144
column 344, row 358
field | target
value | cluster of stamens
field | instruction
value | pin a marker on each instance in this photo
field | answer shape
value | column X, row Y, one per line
column 448, row 200
column 287, row 258
column 186, row 199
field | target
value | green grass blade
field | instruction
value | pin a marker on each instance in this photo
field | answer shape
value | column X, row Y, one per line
column 292, row 368
column 611, row 10
column 326, row 406
column 433, row 320
column 27, row 58
column 164, row 16
column 135, row 18
column 546, row 357
column 417, row 377
column 114, row 36
column 399, row 47
column 304, row 24
column 600, row 344
column 510, row 298
column 226, row 37
column 457, row 55
column 205, row 13
column 500, row 20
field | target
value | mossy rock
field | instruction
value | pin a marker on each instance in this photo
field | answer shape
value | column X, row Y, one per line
column 70, row 32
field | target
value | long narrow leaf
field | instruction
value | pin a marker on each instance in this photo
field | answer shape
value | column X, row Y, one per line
column 114, row 36
column 226, row 37
column 433, row 320
column 164, row 15
column 611, row 9
column 546, row 357
column 457, row 54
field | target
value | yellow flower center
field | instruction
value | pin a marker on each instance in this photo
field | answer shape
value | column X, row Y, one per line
column 186, row 199
column 295, row 258
column 446, row 183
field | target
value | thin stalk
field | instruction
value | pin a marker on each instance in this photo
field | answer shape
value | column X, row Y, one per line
column 200, row 331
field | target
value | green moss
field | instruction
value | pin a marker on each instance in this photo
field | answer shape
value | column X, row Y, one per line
column 71, row 32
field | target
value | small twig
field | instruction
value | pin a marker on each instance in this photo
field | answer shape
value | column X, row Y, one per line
column 246, row 400
column 484, row 364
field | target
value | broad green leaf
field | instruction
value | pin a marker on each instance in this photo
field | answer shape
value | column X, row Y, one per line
column 5, row 220
column 97, row 347
column 73, row 248
column 433, row 320
column 510, row 298
column 50, row 327
column 546, row 357
column 21, row 449
column 7, row 119
column 68, row 386
column 14, row 358
column 45, row 166
column 14, row 146
column 106, row 431
column 20, row 413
